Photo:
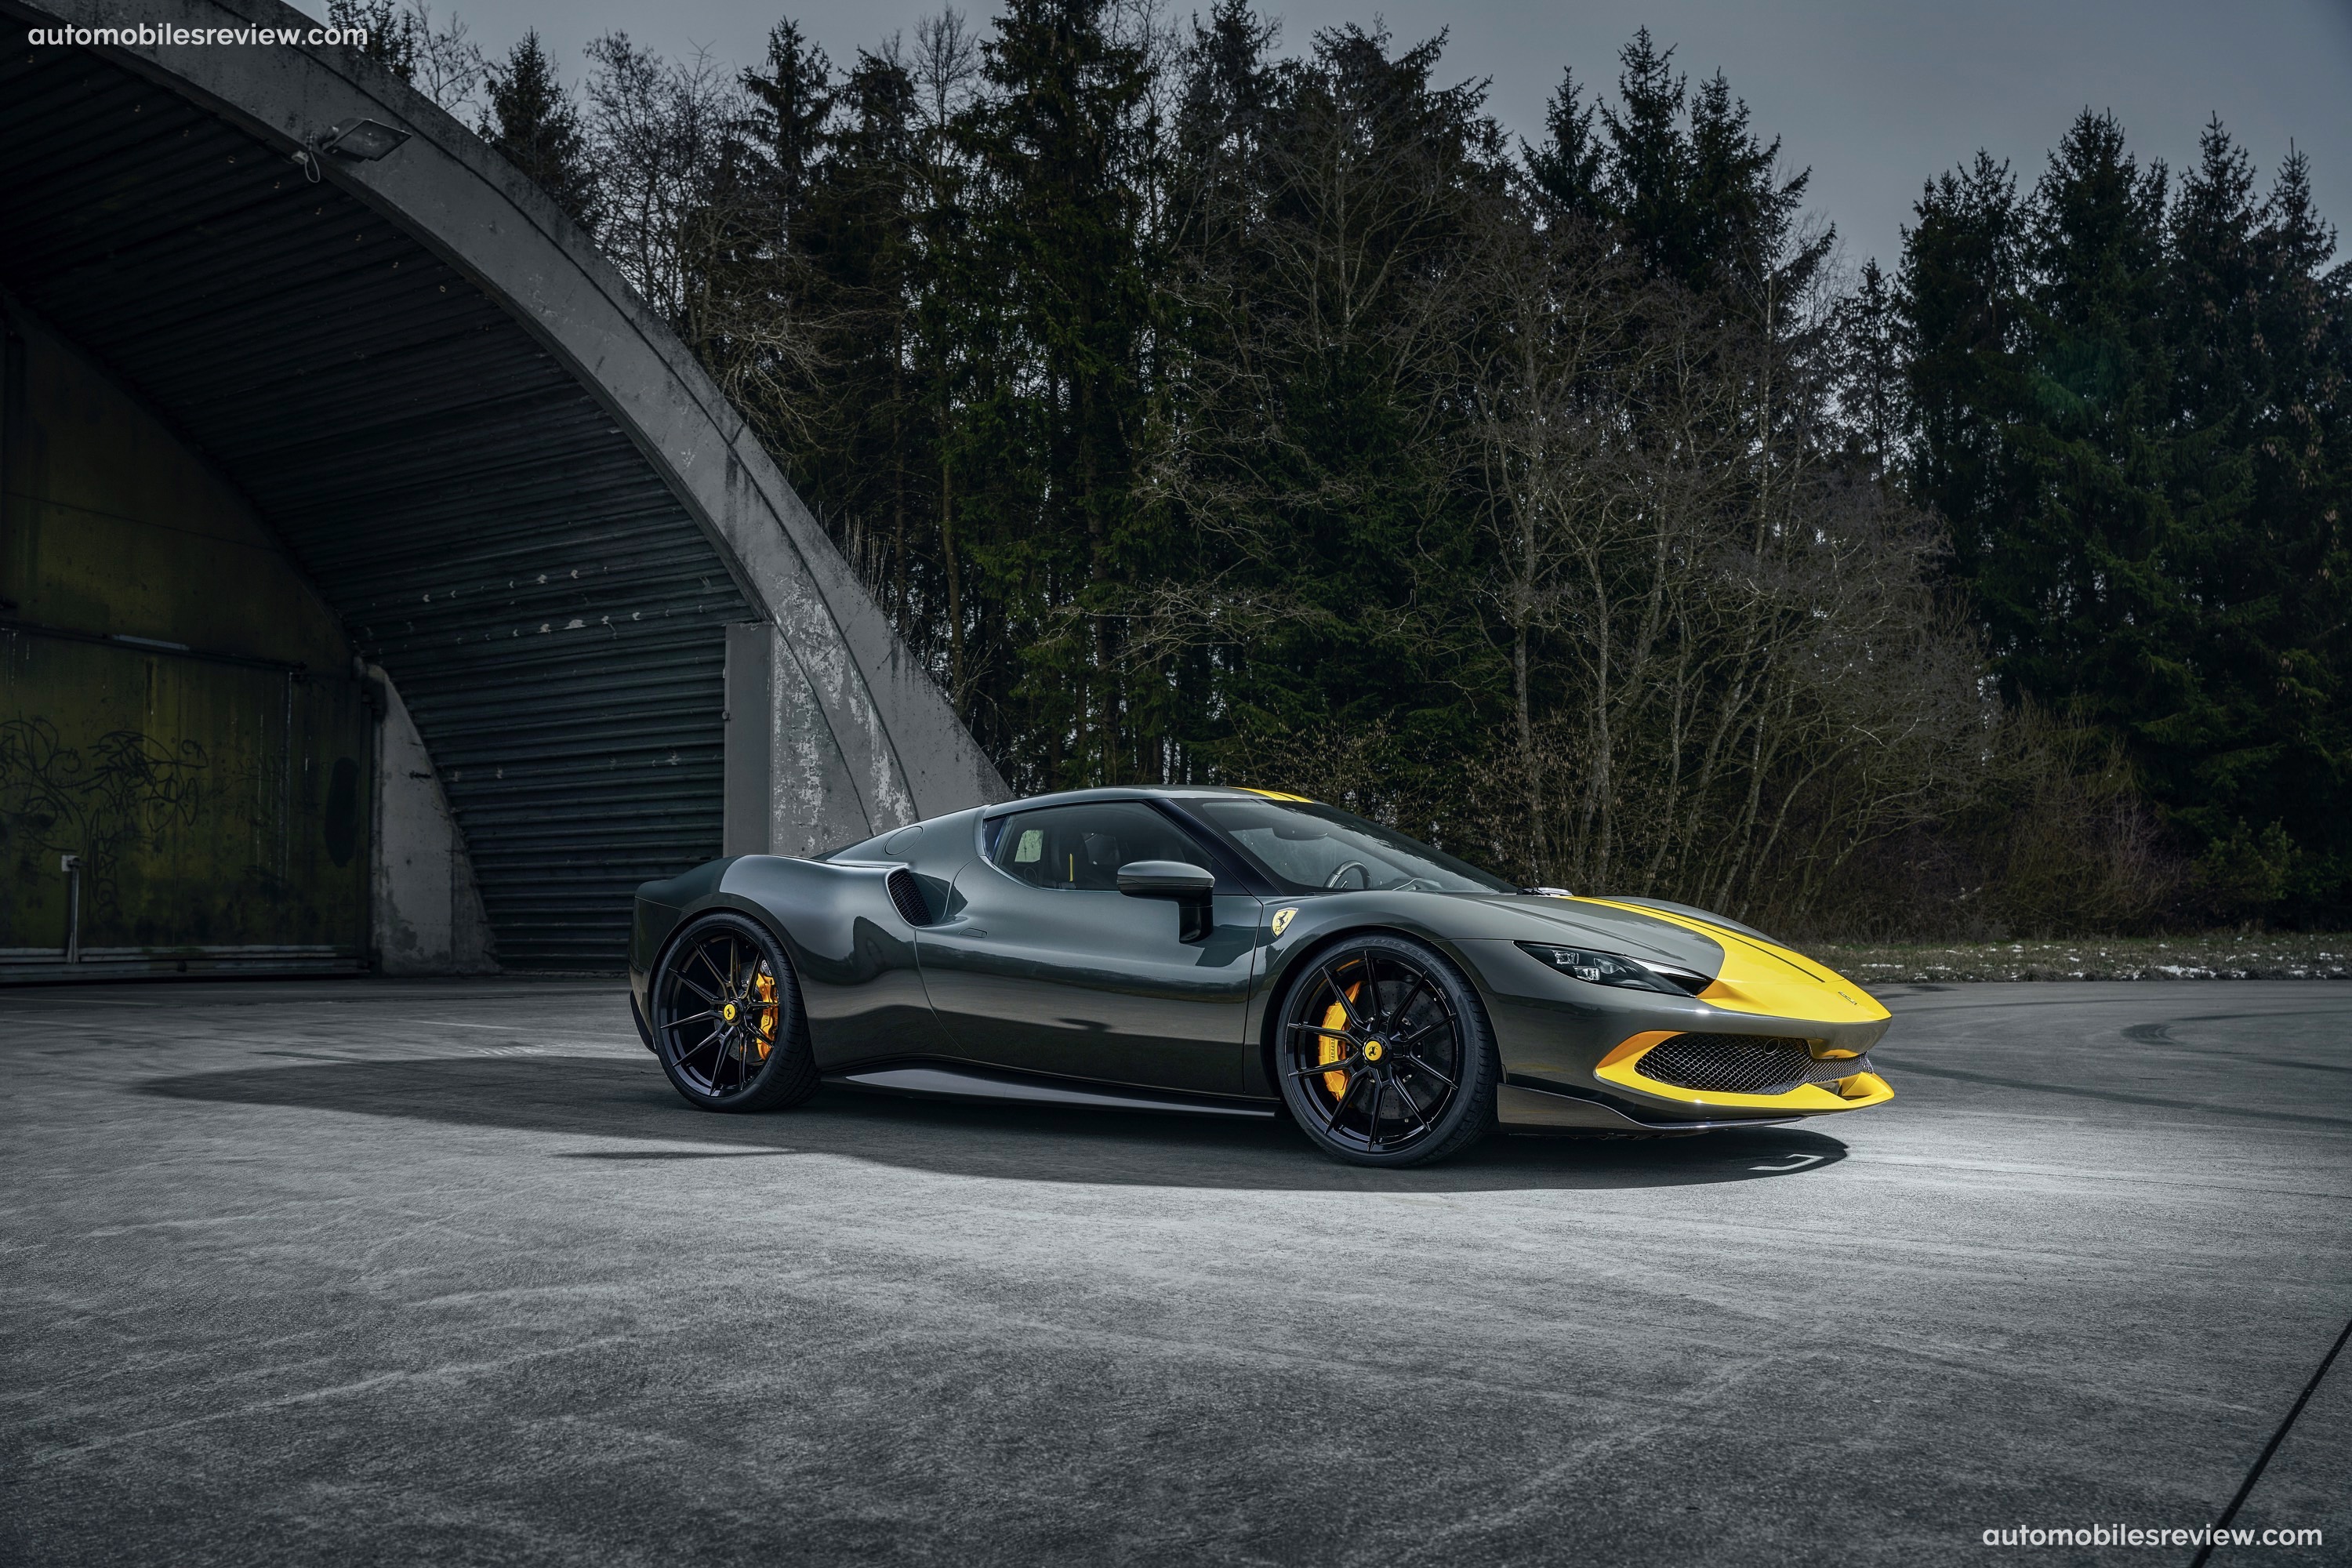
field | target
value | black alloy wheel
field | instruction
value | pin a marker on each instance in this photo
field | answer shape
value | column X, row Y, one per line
column 727, row 1018
column 1385, row 1055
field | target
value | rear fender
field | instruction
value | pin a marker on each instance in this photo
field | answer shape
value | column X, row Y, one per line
column 660, row 906
column 851, row 951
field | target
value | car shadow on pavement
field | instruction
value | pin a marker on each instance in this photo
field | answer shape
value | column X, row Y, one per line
column 609, row 1098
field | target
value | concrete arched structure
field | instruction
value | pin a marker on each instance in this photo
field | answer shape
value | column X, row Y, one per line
column 623, row 638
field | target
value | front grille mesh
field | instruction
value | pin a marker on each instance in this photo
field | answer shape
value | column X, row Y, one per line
column 1741, row 1064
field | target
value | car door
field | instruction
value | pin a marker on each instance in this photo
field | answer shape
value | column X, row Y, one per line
column 1042, row 965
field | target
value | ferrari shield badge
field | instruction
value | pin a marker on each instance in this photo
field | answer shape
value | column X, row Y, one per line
column 1282, row 920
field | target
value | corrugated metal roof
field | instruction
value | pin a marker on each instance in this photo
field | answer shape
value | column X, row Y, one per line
column 552, row 614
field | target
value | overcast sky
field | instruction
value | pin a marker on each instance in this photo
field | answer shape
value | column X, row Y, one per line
column 1874, row 96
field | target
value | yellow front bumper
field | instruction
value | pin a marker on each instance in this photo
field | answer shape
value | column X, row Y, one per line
column 1623, row 1067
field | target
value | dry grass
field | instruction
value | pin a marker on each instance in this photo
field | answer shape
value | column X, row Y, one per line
column 2223, row 956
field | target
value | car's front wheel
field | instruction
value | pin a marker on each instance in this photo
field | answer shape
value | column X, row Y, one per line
column 727, row 1020
column 1385, row 1055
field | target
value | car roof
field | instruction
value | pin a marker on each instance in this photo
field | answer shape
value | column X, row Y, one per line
column 1143, row 792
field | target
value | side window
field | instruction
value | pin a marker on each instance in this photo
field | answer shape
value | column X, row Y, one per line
column 1083, row 847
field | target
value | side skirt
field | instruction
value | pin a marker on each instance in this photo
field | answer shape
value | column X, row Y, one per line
column 939, row 1080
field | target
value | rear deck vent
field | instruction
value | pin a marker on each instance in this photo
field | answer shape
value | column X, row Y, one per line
column 1740, row 1064
column 907, row 894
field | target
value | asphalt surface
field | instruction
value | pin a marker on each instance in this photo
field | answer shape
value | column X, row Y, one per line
column 381, row 1272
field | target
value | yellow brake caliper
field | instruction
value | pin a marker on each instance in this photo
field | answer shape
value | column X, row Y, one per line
column 1330, row 1047
column 763, row 993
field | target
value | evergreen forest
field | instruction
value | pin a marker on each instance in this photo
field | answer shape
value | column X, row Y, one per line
column 1203, row 405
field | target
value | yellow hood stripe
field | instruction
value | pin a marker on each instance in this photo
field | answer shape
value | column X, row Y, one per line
column 1764, row 977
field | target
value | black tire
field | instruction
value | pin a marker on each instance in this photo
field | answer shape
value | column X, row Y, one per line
column 1404, row 1080
column 727, row 1018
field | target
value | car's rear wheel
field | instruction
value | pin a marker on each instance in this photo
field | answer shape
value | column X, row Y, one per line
column 1383, row 1053
column 727, row 1020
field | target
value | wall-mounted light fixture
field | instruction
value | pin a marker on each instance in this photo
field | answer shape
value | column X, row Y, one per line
column 363, row 140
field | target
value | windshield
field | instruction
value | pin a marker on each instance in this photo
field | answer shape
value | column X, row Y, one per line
column 1311, row 849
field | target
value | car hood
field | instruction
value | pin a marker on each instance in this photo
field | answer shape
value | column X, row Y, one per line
column 1612, row 928
column 1747, row 971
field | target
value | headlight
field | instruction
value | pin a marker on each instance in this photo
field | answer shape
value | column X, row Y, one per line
column 1614, row 969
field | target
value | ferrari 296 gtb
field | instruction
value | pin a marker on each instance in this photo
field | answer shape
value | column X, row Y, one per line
column 1232, row 952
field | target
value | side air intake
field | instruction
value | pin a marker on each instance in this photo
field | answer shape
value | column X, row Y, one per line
column 908, row 895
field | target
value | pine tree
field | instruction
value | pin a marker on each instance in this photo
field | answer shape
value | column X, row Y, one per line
column 2220, row 388
column 791, row 97
column 1681, row 179
column 2077, row 593
column 1568, row 173
column 1741, row 224
column 1960, row 296
column 1220, row 124
column 2302, row 445
column 1062, row 157
column 1871, row 372
column 2131, row 412
column 1321, row 280
column 1650, row 161
column 951, row 358
column 395, row 37
column 2250, row 763
column 856, row 234
column 2037, row 379
column 534, row 120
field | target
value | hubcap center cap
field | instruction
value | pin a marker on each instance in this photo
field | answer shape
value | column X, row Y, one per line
column 1374, row 1050
column 728, row 1012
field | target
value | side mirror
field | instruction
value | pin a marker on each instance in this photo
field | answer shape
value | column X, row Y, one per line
column 1191, row 888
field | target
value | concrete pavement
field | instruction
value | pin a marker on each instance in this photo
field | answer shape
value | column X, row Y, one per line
column 381, row 1271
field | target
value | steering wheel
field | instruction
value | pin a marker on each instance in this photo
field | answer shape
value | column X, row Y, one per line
column 1346, row 867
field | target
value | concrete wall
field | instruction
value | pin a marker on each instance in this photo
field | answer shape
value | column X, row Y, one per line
column 788, row 790
column 178, row 711
column 427, row 913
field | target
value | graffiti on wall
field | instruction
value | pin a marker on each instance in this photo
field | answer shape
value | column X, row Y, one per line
column 121, row 794
column 214, row 804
